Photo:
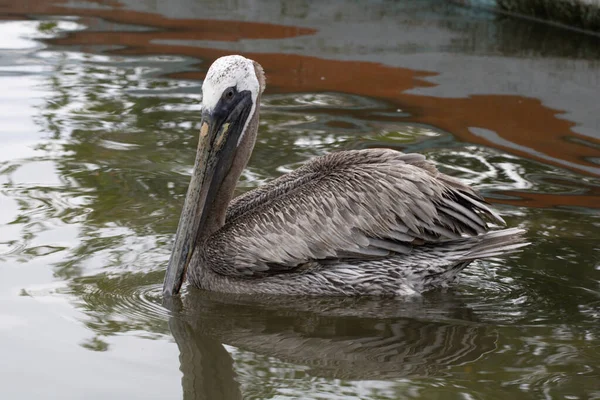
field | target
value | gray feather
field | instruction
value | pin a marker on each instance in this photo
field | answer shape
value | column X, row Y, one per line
column 391, row 220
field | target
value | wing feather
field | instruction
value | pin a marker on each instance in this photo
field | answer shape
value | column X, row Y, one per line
column 358, row 204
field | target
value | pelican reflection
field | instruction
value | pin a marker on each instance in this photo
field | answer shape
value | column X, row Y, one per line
column 342, row 338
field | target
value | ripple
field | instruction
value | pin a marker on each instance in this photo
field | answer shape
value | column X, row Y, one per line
column 123, row 303
column 303, row 101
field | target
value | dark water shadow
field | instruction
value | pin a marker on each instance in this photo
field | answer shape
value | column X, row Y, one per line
column 340, row 338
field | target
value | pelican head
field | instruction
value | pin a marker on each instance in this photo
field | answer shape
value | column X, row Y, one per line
column 230, row 96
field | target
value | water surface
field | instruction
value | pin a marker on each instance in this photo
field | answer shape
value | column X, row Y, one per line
column 100, row 116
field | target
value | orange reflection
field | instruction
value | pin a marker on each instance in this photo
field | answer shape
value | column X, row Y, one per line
column 523, row 126
column 550, row 200
column 588, row 197
column 168, row 28
column 518, row 125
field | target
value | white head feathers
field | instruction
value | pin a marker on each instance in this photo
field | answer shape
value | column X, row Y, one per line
column 226, row 72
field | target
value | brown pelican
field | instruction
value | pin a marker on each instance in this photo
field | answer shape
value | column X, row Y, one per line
column 361, row 222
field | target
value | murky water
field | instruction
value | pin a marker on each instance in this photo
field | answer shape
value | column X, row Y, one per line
column 99, row 121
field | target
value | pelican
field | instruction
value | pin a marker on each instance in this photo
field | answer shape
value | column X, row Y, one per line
column 349, row 223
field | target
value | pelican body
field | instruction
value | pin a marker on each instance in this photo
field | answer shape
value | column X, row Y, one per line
column 358, row 222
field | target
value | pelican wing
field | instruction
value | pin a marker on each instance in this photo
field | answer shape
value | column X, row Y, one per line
column 345, row 205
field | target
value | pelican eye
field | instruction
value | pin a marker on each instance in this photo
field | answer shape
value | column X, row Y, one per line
column 228, row 94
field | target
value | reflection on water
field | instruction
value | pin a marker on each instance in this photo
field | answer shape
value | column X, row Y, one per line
column 100, row 122
column 353, row 339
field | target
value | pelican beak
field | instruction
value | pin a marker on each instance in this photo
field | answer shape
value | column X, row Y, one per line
column 220, row 132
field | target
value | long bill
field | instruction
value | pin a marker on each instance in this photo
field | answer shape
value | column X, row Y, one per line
column 219, row 135
column 189, row 221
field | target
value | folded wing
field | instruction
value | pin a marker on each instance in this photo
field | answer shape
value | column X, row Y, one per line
column 346, row 205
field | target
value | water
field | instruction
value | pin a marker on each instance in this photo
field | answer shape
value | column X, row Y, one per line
column 99, row 121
